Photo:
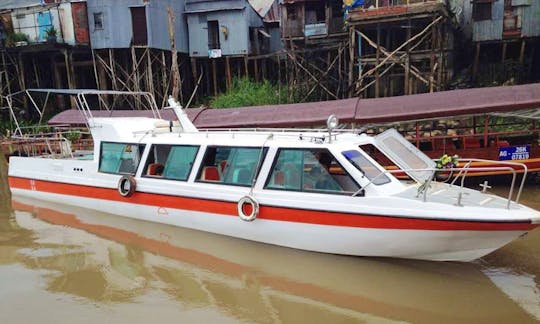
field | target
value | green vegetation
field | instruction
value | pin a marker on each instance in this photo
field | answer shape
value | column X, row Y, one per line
column 245, row 92
column 13, row 38
column 73, row 136
column 51, row 31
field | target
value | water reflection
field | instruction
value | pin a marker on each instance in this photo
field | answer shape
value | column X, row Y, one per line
column 115, row 261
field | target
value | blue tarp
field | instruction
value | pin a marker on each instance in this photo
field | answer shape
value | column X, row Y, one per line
column 351, row 4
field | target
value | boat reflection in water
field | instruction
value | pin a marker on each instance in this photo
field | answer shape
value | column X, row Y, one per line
column 114, row 260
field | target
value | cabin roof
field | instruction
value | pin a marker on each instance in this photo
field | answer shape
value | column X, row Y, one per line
column 360, row 111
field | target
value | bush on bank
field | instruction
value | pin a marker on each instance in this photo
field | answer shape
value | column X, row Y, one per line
column 245, row 92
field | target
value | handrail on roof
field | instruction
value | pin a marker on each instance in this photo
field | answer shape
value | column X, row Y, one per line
column 81, row 101
column 463, row 174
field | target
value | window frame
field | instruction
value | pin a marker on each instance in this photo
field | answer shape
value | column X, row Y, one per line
column 479, row 11
column 141, row 148
column 98, row 17
column 384, row 178
column 163, row 177
column 308, row 190
column 258, row 167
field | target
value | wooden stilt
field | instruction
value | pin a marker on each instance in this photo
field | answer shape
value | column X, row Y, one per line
column 522, row 51
column 432, row 60
column 214, row 77
column 279, row 79
column 164, row 81
column 149, row 72
column 246, row 66
column 408, row 59
column 228, row 72
column 36, row 74
column 256, row 69
column 352, row 42
column 476, row 61
column 194, row 70
column 113, row 69
column 503, row 53
column 378, row 57
column 440, row 59
column 68, row 74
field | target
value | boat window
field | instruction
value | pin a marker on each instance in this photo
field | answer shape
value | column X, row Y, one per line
column 120, row 157
column 406, row 156
column 170, row 161
column 310, row 170
column 364, row 165
column 231, row 165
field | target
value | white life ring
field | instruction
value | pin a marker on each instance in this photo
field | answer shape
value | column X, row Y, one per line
column 126, row 185
column 253, row 204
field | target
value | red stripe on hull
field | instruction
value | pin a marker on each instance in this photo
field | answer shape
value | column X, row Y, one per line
column 269, row 212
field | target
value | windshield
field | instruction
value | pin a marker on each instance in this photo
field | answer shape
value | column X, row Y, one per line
column 405, row 155
column 365, row 166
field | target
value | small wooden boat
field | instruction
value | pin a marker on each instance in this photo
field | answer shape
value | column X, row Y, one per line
column 305, row 189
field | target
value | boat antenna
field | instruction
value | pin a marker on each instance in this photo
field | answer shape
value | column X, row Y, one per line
column 180, row 113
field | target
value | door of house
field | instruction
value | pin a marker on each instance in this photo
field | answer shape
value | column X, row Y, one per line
column 138, row 23
column 213, row 34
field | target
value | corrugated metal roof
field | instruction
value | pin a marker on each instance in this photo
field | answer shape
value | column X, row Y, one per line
column 13, row 4
column 363, row 111
column 198, row 6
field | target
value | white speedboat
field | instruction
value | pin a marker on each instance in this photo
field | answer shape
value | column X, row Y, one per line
column 305, row 189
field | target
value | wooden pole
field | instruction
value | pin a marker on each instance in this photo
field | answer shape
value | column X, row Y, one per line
column 94, row 66
column 279, row 78
column 352, row 40
column 378, row 56
column 36, row 74
column 246, row 66
column 134, row 71
column 432, row 59
column 256, row 69
column 113, row 69
column 150, row 72
column 68, row 72
column 408, row 59
column 228, row 72
column 164, row 81
column 175, row 73
column 214, row 76
column 503, row 54
column 476, row 59
column 522, row 51
column 442, row 67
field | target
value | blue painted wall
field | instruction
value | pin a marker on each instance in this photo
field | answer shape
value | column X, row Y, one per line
column 117, row 28
column 234, row 16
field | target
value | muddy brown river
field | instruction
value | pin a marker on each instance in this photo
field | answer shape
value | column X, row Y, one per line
column 61, row 264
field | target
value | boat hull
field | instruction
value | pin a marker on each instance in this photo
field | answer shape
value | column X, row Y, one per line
column 353, row 234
